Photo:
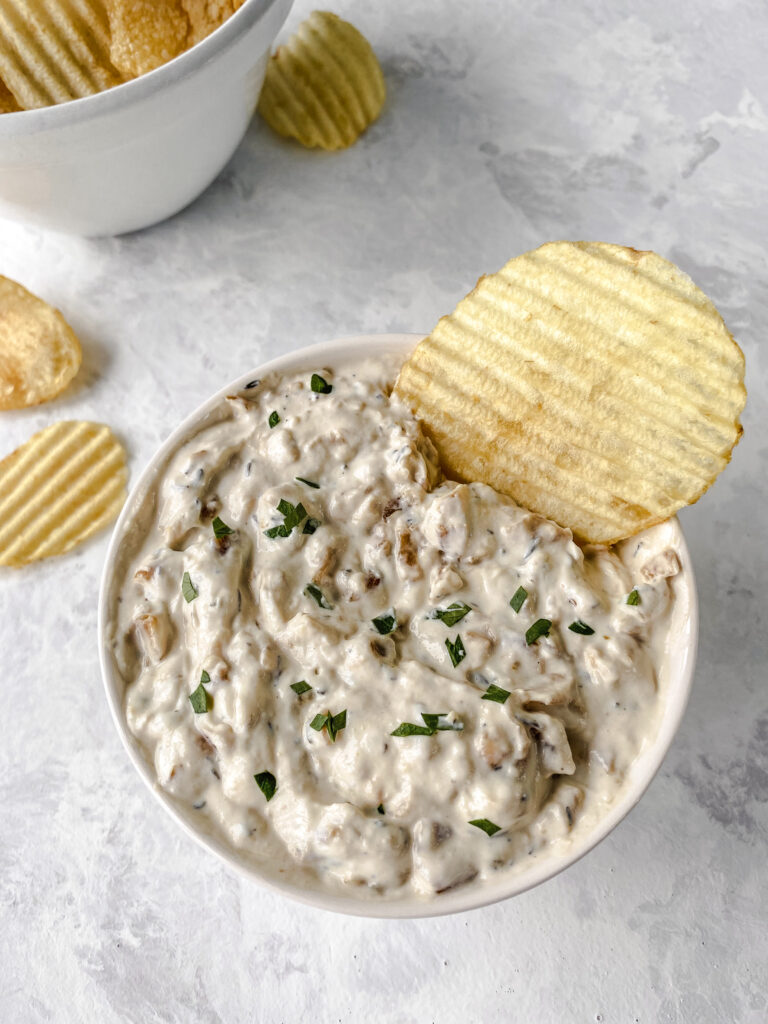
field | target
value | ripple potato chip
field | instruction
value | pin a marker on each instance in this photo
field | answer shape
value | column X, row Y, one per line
column 39, row 351
column 324, row 87
column 594, row 384
column 53, row 51
column 62, row 486
column 146, row 34
column 206, row 15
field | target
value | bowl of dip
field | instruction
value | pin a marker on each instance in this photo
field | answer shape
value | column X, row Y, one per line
column 371, row 689
column 131, row 156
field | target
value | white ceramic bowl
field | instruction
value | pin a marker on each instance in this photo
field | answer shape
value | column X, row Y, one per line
column 133, row 155
column 674, row 681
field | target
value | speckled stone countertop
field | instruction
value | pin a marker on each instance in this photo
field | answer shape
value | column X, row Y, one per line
column 507, row 124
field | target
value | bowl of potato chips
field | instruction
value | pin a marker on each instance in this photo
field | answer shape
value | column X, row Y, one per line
column 115, row 114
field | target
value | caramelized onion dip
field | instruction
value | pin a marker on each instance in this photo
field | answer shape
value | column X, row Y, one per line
column 356, row 673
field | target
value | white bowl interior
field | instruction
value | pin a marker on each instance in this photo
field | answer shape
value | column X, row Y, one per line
column 675, row 678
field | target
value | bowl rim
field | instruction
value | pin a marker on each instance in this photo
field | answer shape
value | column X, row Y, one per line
column 19, row 123
column 462, row 899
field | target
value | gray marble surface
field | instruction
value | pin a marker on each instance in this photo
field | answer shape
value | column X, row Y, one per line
column 507, row 124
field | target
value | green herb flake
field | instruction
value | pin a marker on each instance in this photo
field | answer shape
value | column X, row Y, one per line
column 293, row 516
column 319, row 385
column 301, row 687
column 410, row 729
column 385, row 623
column 452, row 614
column 267, row 783
column 333, row 723
column 273, row 420
column 486, row 826
column 380, row 809
column 432, row 721
column 309, row 483
column 518, row 599
column 188, row 588
column 220, row 528
column 456, row 650
column 634, row 598
column 311, row 525
column 432, row 724
column 317, row 595
column 540, row 628
column 496, row 693
column 336, row 723
column 200, row 699
column 581, row 628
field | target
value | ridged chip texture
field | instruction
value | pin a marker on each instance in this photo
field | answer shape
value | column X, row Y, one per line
column 594, row 384
column 53, row 51
column 62, row 486
column 324, row 87
column 39, row 351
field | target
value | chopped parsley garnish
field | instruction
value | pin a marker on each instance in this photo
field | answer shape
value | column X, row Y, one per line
column 380, row 809
column 385, row 623
column 452, row 614
column 336, row 724
column 311, row 525
column 581, row 628
column 267, row 783
column 292, row 515
column 317, row 595
column 309, row 483
column 432, row 724
column 301, row 687
column 188, row 588
column 332, row 723
column 319, row 385
column 518, row 599
column 220, row 528
column 496, row 693
column 486, row 826
column 273, row 420
column 410, row 729
column 634, row 598
column 432, row 720
column 540, row 628
column 456, row 650
column 200, row 699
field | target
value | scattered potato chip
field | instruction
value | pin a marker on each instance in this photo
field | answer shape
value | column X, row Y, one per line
column 39, row 351
column 52, row 51
column 324, row 87
column 594, row 384
column 146, row 33
column 62, row 486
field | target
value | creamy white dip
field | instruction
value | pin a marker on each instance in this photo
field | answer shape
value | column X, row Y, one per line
column 527, row 737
